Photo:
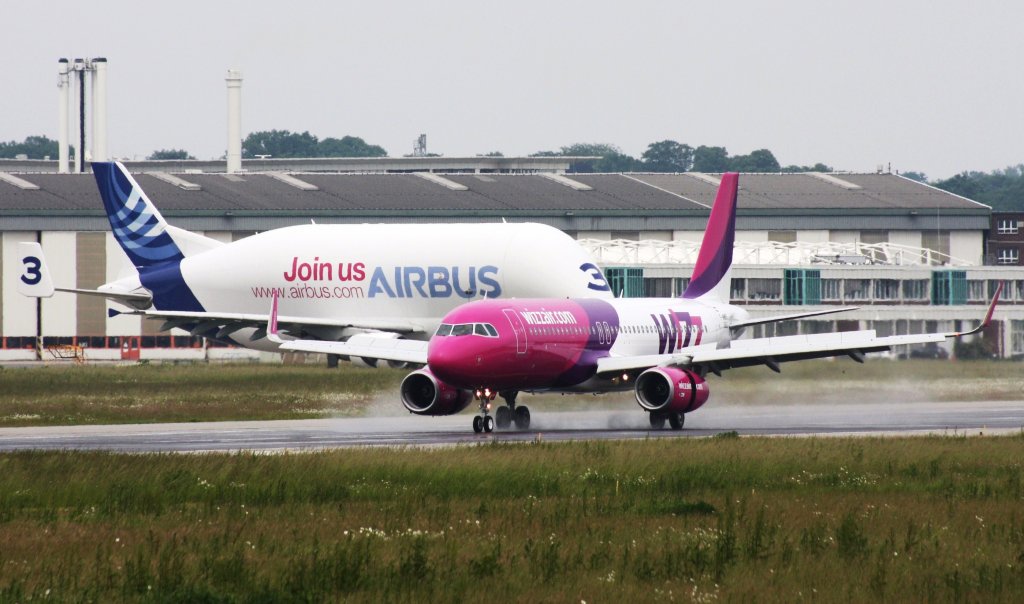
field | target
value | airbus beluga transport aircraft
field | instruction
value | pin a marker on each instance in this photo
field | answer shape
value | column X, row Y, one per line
column 384, row 281
column 662, row 349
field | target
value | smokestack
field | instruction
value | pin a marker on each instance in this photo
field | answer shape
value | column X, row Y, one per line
column 63, row 106
column 234, row 81
column 99, row 109
column 80, row 150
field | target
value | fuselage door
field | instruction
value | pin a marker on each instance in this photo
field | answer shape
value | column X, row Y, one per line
column 517, row 328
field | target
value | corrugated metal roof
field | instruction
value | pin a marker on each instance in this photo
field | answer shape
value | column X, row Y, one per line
column 496, row 194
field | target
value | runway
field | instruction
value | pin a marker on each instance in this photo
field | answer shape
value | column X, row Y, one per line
column 877, row 418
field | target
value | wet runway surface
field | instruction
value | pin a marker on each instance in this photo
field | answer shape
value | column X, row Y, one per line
column 972, row 418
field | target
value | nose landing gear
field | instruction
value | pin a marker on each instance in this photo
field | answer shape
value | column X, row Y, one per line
column 484, row 422
column 504, row 416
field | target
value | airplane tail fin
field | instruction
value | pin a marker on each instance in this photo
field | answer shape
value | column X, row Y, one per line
column 139, row 228
column 35, row 281
column 711, row 274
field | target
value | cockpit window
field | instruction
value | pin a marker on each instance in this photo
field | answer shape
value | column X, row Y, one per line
column 467, row 329
column 463, row 329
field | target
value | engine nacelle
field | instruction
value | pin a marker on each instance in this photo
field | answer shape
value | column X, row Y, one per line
column 424, row 394
column 671, row 389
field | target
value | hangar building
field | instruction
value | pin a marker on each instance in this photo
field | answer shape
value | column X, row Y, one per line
column 912, row 257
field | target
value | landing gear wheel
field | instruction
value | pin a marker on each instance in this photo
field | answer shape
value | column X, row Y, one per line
column 522, row 416
column 676, row 420
column 657, row 420
column 488, row 423
column 478, row 424
column 502, row 417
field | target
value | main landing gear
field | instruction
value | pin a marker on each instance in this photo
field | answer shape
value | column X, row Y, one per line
column 504, row 416
column 675, row 419
column 511, row 413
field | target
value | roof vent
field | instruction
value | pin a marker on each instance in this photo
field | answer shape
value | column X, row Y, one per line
column 288, row 179
column 21, row 183
column 440, row 180
column 575, row 185
column 708, row 178
column 171, row 179
column 834, row 180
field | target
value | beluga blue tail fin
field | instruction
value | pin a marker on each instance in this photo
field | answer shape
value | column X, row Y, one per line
column 137, row 225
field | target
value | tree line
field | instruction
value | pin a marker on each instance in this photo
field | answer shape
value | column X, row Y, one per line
column 673, row 156
column 1001, row 189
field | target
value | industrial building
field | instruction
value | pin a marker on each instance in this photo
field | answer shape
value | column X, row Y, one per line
column 912, row 257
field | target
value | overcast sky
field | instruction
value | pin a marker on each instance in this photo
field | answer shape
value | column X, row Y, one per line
column 931, row 86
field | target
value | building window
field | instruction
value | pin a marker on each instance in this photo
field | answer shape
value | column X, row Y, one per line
column 915, row 289
column 976, row 290
column 738, row 289
column 764, row 290
column 625, row 282
column 887, row 289
column 993, row 285
column 803, row 286
column 949, row 288
column 657, row 287
column 1016, row 337
column 681, row 284
column 857, row 289
column 830, row 289
column 1008, row 256
column 1007, row 226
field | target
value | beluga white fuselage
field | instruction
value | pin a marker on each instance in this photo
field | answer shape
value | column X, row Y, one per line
column 339, row 280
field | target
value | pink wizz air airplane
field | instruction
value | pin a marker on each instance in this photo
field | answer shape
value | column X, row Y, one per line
column 661, row 348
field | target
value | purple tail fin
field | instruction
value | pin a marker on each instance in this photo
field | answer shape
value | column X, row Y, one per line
column 711, row 274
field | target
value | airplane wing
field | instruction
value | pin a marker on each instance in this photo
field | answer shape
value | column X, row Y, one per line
column 790, row 317
column 384, row 346
column 772, row 351
column 367, row 346
column 202, row 323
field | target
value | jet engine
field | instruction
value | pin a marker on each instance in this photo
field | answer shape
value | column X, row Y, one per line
column 424, row 394
column 669, row 389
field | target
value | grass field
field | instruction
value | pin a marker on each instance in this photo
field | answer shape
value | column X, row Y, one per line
column 720, row 519
column 173, row 393
column 186, row 393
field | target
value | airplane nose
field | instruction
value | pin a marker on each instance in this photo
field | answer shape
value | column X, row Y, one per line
column 443, row 359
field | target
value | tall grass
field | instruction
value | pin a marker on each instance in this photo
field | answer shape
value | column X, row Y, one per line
column 666, row 520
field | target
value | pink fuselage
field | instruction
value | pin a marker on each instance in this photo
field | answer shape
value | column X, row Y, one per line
column 554, row 344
